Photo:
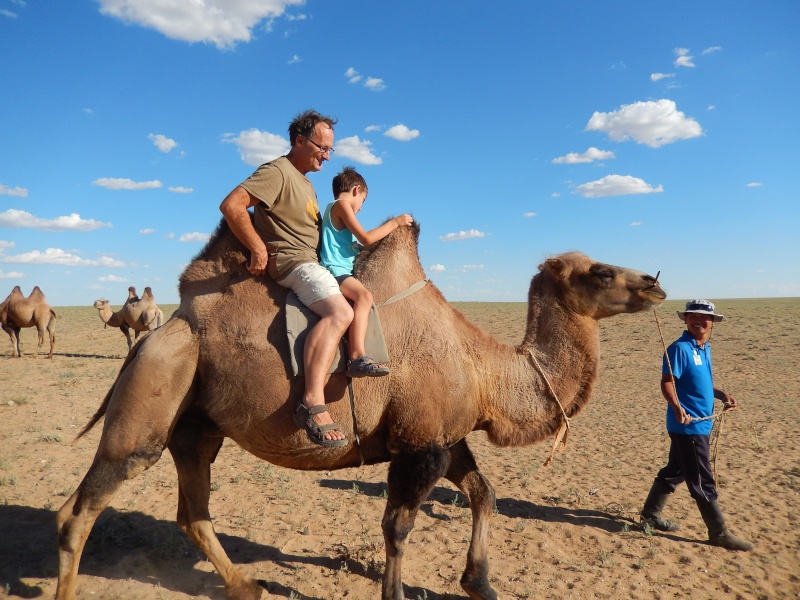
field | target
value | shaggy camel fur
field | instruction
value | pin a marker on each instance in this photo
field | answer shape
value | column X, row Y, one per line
column 138, row 314
column 219, row 368
column 17, row 312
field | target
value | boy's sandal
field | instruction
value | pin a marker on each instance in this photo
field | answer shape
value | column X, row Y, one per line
column 304, row 419
column 364, row 366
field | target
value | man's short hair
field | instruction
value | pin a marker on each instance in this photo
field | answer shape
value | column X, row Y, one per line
column 346, row 180
column 304, row 124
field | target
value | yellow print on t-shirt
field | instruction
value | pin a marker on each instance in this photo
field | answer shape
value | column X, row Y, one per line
column 312, row 208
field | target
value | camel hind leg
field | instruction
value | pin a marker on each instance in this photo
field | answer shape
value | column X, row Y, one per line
column 193, row 453
column 152, row 389
column 464, row 473
column 411, row 478
column 13, row 334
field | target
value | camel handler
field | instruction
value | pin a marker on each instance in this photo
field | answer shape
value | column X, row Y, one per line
column 283, row 238
column 690, row 398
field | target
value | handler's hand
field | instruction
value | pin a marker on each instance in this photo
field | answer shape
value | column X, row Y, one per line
column 682, row 416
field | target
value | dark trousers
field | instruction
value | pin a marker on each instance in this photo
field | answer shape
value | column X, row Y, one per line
column 689, row 462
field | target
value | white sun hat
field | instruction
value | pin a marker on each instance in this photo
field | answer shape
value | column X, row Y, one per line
column 703, row 307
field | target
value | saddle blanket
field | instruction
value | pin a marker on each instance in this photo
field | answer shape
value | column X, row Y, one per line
column 299, row 319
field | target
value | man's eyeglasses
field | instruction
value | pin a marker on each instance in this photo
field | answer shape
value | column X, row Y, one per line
column 323, row 149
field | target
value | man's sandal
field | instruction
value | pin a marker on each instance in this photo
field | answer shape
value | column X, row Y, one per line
column 364, row 366
column 304, row 419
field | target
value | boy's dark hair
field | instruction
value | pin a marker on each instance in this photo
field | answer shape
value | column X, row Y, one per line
column 346, row 180
column 304, row 124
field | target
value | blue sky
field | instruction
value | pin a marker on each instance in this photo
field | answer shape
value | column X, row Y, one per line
column 659, row 136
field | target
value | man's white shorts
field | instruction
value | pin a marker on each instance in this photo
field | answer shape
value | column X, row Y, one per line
column 311, row 282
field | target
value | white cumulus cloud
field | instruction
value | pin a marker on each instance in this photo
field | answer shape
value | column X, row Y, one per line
column 711, row 49
column 654, row 123
column 11, row 274
column 352, row 75
column 162, row 142
column 147, row 231
column 660, row 76
column 114, row 183
column 24, row 220
column 616, row 185
column 402, row 133
column 755, row 184
column 437, row 268
column 357, row 150
column 682, row 58
column 462, row 235
column 374, row 84
column 528, row 215
column 195, row 237
column 177, row 189
column 57, row 256
column 257, row 147
column 112, row 278
column 15, row 191
column 591, row 155
column 220, row 22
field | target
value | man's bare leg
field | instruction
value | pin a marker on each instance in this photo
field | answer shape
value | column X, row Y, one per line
column 335, row 316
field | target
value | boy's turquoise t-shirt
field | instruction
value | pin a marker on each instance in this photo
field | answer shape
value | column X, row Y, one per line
column 338, row 247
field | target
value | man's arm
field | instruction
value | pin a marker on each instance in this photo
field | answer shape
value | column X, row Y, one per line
column 728, row 401
column 671, row 396
column 234, row 209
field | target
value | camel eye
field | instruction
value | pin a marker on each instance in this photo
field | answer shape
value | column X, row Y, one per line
column 603, row 273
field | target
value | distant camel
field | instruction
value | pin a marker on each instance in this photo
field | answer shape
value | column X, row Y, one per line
column 139, row 314
column 218, row 368
column 17, row 312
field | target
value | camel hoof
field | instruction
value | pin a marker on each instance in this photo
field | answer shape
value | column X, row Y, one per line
column 248, row 589
column 478, row 589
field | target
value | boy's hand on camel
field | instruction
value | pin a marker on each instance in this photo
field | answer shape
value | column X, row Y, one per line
column 404, row 220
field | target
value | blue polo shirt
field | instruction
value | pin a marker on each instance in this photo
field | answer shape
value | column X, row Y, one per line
column 691, row 367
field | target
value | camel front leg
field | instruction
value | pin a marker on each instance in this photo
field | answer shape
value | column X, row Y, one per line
column 464, row 473
column 126, row 330
column 411, row 478
column 153, row 387
column 193, row 453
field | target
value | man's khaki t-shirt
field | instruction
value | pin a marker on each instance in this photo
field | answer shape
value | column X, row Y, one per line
column 287, row 218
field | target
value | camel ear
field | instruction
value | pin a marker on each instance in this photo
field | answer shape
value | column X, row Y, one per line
column 556, row 266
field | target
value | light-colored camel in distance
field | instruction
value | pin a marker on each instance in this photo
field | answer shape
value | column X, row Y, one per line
column 17, row 312
column 218, row 368
column 137, row 314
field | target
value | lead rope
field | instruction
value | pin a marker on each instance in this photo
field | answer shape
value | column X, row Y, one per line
column 561, row 434
column 719, row 415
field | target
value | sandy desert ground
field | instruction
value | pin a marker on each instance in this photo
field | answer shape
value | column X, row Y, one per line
column 567, row 531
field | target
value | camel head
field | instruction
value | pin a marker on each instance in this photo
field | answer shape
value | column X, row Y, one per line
column 100, row 303
column 594, row 289
column 131, row 292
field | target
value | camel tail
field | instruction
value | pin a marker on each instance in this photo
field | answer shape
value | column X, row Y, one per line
column 104, row 406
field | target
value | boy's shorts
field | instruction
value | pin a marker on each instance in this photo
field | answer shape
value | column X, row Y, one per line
column 311, row 282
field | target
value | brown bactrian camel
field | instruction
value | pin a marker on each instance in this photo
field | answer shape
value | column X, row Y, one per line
column 219, row 368
column 137, row 314
column 17, row 312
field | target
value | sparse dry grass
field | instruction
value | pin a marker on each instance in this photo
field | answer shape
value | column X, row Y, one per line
column 561, row 532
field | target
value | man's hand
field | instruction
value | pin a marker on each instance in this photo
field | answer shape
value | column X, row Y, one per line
column 681, row 415
column 258, row 261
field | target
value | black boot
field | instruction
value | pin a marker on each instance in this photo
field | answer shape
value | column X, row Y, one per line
column 651, row 512
column 718, row 534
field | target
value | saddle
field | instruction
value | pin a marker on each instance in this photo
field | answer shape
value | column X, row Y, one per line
column 299, row 320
